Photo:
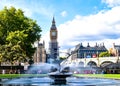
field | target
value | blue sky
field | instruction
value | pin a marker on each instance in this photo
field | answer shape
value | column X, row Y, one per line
column 76, row 20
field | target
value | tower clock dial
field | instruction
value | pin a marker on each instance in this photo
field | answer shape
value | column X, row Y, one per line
column 53, row 33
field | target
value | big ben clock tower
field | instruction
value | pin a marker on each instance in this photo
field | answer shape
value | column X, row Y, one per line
column 53, row 45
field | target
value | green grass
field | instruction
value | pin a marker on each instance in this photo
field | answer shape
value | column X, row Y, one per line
column 110, row 76
column 21, row 75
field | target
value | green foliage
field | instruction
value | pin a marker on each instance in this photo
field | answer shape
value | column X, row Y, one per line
column 17, row 35
column 12, row 53
column 104, row 54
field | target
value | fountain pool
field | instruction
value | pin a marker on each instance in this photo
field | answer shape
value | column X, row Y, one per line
column 71, row 81
column 50, row 80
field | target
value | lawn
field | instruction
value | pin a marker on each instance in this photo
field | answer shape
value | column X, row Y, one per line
column 21, row 75
column 110, row 76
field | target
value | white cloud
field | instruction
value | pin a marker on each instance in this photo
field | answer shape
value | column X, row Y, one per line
column 98, row 28
column 63, row 13
column 29, row 9
column 46, row 38
column 101, row 27
column 17, row 5
column 112, row 3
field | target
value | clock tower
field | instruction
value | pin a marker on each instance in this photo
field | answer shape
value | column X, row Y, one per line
column 53, row 45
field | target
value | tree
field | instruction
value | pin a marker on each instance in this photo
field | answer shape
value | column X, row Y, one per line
column 17, row 34
column 12, row 53
column 104, row 54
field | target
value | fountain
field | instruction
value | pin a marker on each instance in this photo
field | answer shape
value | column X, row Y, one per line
column 54, row 71
column 59, row 75
column 56, row 75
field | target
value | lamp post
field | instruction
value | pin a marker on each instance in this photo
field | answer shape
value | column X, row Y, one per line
column 117, row 56
column 98, row 58
column 85, row 59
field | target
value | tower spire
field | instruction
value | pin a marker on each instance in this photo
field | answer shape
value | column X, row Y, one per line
column 53, row 21
column 53, row 24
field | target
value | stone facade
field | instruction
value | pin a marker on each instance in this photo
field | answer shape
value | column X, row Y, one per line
column 88, row 51
column 115, row 50
column 40, row 54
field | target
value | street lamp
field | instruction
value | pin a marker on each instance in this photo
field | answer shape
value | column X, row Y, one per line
column 98, row 58
column 117, row 56
column 85, row 59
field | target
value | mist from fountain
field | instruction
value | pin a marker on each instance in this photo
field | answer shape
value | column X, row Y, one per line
column 55, row 69
column 79, row 68
column 41, row 68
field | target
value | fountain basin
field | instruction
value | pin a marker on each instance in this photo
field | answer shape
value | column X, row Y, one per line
column 59, row 77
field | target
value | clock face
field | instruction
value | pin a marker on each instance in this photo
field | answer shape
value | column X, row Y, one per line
column 53, row 33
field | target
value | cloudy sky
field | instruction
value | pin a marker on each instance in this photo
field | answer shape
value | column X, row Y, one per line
column 77, row 21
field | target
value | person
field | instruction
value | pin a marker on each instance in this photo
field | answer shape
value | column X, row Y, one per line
column 3, row 71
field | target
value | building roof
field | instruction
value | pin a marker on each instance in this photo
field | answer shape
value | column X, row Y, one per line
column 88, row 47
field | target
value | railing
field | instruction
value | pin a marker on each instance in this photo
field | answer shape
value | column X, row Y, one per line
column 10, row 69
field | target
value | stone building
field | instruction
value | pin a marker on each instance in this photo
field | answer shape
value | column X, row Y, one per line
column 88, row 51
column 40, row 54
column 115, row 50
